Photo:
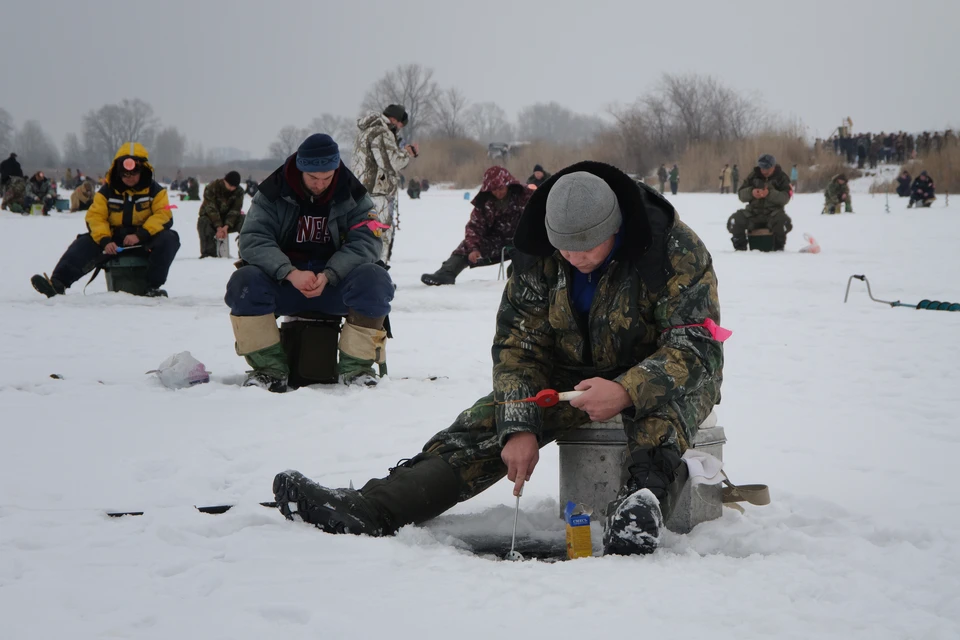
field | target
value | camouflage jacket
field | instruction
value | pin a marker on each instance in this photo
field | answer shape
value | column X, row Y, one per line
column 493, row 222
column 835, row 190
column 377, row 156
column 221, row 205
column 41, row 189
column 638, row 331
column 778, row 185
column 14, row 191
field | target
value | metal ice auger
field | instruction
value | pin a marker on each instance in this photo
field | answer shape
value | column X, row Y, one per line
column 930, row 305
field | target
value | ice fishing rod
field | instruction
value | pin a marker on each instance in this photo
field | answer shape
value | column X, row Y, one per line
column 543, row 399
column 929, row 305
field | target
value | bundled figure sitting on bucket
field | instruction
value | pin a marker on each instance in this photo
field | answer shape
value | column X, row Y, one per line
column 903, row 184
column 82, row 196
column 221, row 213
column 620, row 303
column 922, row 192
column 837, row 195
column 311, row 242
column 766, row 190
column 493, row 221
column 130, row 211
column 40, row 190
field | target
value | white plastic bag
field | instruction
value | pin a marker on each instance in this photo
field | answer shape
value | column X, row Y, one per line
column 181, row 370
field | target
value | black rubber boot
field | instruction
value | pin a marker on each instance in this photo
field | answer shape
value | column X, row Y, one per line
column 415, row 491
column 448, row 271
column 739, row 244
column 47, row 286
column 635, row 520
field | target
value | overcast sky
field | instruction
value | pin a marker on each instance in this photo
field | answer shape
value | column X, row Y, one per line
column 233, row 73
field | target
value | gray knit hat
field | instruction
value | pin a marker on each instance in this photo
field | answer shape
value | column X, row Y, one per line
column 582, row 212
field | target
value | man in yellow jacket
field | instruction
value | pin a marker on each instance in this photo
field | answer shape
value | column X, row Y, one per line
column 130, row 211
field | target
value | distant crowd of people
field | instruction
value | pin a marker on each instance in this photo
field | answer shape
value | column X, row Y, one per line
column 870, row 149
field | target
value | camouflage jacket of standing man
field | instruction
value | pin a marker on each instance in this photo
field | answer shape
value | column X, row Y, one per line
column 378, row 157
column 221, row 205
column 778, row 185
column 641, row 330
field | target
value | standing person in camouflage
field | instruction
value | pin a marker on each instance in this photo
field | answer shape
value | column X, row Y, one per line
column 837, row 194
column 766, row 191
column 621, row 304
column 378, row 159
column 14, row 194
column 493, row 221
column 220, row 213
column 662, row 177
column 40, row 191
column 735, row 178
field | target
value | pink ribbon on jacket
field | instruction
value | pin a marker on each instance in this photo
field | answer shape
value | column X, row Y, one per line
column 373, row 225
column 717, row 332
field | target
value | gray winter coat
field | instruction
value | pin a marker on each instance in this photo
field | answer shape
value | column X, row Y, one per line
column 270, row 228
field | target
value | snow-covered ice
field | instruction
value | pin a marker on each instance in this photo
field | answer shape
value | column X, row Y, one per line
column 848, row 412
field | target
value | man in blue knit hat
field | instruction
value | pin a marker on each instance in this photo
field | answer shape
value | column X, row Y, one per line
column 310, row 242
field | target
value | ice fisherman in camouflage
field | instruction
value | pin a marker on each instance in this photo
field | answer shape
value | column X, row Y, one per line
column 493, row 221
column 310, row 242
column 616, row 304
column 378, row 159
column 766, row 191
column 837, row 194
column 221, row 213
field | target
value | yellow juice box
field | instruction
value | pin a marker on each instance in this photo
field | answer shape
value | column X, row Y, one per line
column 579, row 544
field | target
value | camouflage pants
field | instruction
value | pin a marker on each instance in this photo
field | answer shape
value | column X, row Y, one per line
column 833, row 205
column 471, row 446
column 208, row 235
column 386, row 208
column 779, row 223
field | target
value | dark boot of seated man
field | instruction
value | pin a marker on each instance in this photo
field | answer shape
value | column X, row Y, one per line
column 635, row 520
column 415, row 491
column 448, row 272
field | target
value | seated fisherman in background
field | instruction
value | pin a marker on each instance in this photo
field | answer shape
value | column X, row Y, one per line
column 130, row 210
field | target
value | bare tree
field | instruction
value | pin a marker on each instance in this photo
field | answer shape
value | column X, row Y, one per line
column 287, row 142
column 169, row 148
column 410, row 85
column 105, row 129
column 73, row 153
column 6, row 132
column 556, row 123
column 451, row 114
column 487, row 122
column 340, row 128
column 34, row 146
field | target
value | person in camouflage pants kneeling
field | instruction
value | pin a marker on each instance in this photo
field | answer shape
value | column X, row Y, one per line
column 620, row 304
column 220, row 214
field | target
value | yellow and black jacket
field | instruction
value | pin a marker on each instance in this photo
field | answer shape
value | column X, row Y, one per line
column 119, row 210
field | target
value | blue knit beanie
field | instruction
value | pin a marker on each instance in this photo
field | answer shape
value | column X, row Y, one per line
column 318, row 153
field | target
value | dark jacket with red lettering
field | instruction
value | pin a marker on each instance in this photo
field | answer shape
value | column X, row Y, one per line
column 269, row 234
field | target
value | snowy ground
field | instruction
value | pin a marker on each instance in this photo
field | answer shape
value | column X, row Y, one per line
column 848, row 412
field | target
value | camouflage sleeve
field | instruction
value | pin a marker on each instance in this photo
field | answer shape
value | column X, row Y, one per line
column 688, row 361
column 522, row 352
column 388, row 154
column 208, row 207
column 234, row 207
